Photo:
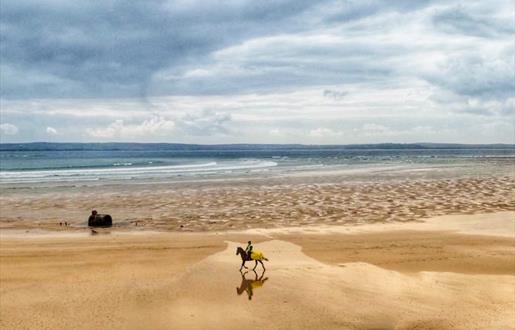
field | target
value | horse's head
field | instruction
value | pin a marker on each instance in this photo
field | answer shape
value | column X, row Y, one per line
column 239, row 250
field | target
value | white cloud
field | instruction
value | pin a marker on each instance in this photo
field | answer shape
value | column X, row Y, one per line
column 205, row 123
column 374, row 129
column 322, row 132
column 51, row 131
column 276, row 132
column 151, row 128
column 8, row 129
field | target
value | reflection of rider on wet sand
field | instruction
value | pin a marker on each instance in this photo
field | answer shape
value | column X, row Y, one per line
column 250, row 285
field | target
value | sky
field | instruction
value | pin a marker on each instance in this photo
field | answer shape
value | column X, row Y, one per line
column 247, row 71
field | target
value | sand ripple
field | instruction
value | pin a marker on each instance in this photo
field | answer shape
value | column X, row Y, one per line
column 263, row 206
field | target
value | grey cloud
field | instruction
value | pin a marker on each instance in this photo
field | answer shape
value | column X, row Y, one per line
column 96, row 55
column 475, row 75
column 334, row 94
column 350, row 10
column 112, row 48
column 457, row 20
column 287, row 62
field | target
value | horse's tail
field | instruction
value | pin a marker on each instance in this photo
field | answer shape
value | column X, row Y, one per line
column 265, row 259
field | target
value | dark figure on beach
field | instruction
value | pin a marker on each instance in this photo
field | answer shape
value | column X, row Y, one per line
column 99, row 220
column 92, row 217
column 254, row 255
column 249, row 285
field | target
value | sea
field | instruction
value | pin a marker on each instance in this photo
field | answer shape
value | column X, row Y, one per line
column 29, row 164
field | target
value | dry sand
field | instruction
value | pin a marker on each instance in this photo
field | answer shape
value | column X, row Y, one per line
column 446, row 273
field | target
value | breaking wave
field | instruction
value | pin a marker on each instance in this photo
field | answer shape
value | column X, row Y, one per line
column 127, row 172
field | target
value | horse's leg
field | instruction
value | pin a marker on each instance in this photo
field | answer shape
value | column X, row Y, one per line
column 255, row 265
column 262, row 264
column 242, row 265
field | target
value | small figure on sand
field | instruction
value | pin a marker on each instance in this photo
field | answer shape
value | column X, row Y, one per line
column 99, row 220
column 249, row 254
column 92, row 216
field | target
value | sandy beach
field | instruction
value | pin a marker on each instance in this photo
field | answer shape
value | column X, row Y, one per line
column 393, row 249
column 403, row 276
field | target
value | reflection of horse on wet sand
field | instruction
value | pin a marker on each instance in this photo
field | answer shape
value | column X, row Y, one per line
column 257, row 256
column 249, row 285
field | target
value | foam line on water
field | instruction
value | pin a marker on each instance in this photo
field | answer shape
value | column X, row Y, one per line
column 128, row 172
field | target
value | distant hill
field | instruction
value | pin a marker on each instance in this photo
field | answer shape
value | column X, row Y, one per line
column 46, row 146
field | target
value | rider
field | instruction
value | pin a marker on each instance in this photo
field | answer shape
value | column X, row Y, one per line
column 92, row 218
column 248, row 250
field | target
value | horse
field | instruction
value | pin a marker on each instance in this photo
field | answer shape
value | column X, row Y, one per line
column 249, row 285
column 244, row 257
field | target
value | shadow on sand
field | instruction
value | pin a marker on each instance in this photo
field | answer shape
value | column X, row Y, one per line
column 248, row 285
column 97, row 231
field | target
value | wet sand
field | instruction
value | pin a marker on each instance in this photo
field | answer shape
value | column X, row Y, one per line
column 445, row 273
column 258, row 204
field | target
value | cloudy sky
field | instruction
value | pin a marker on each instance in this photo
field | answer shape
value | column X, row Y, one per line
column 281, row 71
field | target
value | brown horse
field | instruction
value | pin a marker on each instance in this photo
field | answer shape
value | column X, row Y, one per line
column 245, row 258
column 249, row 285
